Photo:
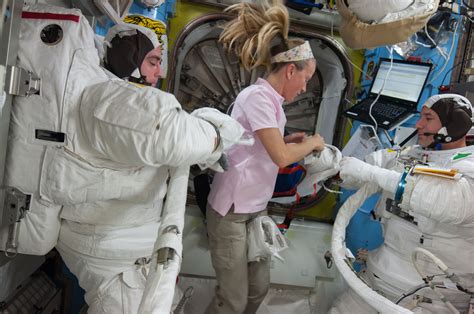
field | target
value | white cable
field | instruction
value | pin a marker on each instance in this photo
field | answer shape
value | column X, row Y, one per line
column 441, row 52
column 442, row 266
column 105, row 7
column 449, row 54
column 330, row 190
column 355, row 66
column 379, row 142
column 420, row 43
column 381, row 89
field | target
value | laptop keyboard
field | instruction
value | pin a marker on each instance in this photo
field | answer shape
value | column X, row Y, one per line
column 383, row 110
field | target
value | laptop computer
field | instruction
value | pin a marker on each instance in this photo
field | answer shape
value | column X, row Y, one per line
column 399, row 96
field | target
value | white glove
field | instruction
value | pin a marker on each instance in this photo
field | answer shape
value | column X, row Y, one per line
column 230, row 133
column 353, row 168
column 322, row 165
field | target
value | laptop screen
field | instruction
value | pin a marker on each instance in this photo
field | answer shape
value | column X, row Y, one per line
column 405, row 80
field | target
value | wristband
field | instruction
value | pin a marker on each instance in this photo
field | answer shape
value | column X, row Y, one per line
column 218, row 134
column 401, row 186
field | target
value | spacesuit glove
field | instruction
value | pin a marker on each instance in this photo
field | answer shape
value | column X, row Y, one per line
column 228, row 131
column 323, row 164
column 353, row 168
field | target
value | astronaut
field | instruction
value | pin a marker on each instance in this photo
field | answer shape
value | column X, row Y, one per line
column 428, row 207
column 89, row 155
column 113, row 180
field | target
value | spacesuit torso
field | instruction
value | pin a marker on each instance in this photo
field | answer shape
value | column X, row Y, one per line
column 108, row 170
column 442, row 220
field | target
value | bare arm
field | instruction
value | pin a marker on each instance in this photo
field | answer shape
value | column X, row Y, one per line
column 284, row 154
column 295, row 137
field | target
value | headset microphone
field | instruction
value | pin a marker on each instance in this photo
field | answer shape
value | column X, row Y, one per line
column 439, row 138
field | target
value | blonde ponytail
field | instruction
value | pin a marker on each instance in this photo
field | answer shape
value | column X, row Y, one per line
column 250, row 34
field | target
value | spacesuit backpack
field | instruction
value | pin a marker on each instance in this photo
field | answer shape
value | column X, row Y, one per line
column 56, row 45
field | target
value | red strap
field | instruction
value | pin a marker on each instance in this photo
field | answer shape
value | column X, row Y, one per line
column 291, row 170
column 290, row 214
column 313, row 195
column 50, row 16
column 285, row 193
column 298, row 198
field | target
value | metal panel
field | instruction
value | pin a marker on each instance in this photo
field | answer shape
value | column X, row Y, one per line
column 10, row 30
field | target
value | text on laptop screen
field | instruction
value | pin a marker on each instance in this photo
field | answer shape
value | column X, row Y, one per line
column 405, row 81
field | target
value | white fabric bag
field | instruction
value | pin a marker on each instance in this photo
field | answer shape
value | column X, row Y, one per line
column 264, row 239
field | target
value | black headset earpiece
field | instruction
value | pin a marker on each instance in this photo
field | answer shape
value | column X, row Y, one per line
column 439, row 138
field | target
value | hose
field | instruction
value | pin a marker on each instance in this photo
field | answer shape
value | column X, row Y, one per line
column 166, row 259
column 338, row 251
column 442, row 266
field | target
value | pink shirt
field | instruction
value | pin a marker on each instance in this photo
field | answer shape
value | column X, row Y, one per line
column 251, row 177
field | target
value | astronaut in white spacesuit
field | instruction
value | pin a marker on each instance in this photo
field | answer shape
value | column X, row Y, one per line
column 114, row 182
column 424, row 211
column 90, row 155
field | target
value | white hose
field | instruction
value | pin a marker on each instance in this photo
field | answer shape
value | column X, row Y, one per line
column 114, row 14
column 338, row 250
column 442, row 266
column 161, row 281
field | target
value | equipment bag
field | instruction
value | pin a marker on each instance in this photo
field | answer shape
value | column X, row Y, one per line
column 288, row 179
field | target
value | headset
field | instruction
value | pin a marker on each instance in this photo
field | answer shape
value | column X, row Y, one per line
column 462, row 102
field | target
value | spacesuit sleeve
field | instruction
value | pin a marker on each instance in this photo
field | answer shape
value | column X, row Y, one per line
column 443, row 200
column 382, row 158
column 143, row 126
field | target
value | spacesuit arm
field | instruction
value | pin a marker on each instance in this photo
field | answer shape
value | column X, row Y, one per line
column 440, row 199
column 354, row 174
column 353, row 170
column 144, row 126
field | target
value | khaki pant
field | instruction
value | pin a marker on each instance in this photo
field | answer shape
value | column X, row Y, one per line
column 241, row 285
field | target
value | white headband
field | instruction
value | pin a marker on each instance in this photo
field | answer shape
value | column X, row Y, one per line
column 298, row 53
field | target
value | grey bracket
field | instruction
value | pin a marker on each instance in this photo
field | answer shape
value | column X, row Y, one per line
column 15, row 207
column 165, row 254
column 20, row 82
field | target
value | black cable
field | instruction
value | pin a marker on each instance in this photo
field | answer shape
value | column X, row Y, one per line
column 467, row 5
column 411, row 292
column 453, row 67
column 409, row 137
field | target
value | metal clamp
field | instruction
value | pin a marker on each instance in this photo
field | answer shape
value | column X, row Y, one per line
column 20, row 82
column 188, row 293
column 328, row 258
column 15, row 207
column 165, row 254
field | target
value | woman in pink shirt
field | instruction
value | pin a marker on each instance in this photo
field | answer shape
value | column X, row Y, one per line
column 259, row 36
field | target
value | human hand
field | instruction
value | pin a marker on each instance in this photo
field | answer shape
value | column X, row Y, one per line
column 317, row 141
column 297, row 137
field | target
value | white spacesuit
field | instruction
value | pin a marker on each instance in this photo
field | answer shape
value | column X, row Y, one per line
column 99, row 164
column 434, row 213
